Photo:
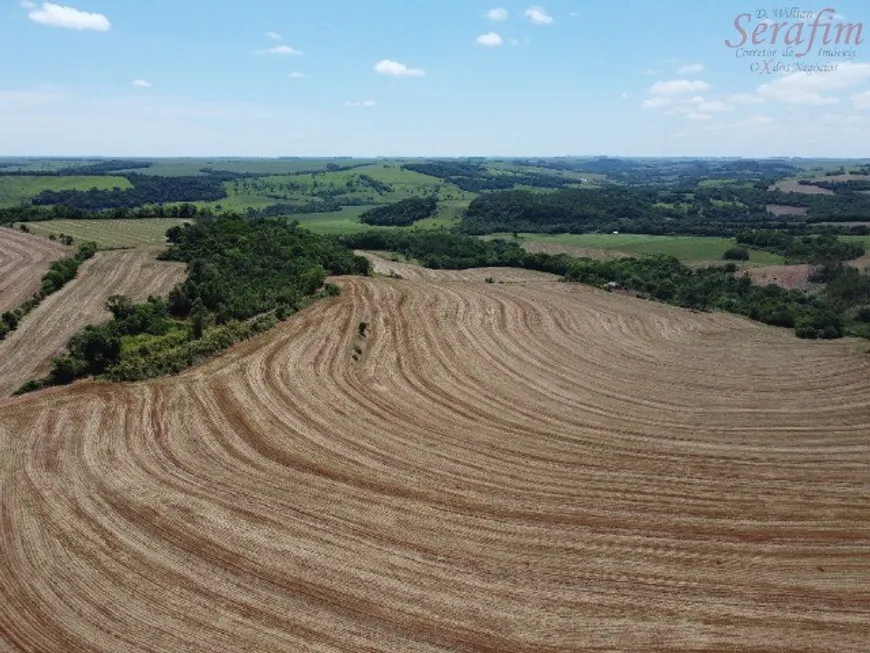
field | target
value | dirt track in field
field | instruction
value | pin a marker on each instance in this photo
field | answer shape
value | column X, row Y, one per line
column 27, row 352
column 24, row 258
column 531, row 467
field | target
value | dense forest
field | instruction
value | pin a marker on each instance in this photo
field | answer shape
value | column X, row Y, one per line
column 705, row 211
column 401, row 214
column 842, row 308
column 147, row 189
column 243, row 277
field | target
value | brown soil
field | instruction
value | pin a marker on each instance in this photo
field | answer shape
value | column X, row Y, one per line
column 24, row 258
column 536, row 467
column 27, row 352
column 782, row 209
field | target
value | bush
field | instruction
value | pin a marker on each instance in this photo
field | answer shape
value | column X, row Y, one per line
column 736, row 254
column 820, row 324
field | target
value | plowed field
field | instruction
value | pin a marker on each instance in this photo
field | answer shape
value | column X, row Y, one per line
column 23, row 260
column 27, row 352
column 528, row 467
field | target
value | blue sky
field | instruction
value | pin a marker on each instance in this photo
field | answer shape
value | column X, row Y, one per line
column 427, row 78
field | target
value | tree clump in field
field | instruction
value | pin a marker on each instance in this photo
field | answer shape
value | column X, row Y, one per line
column 736, row 254
column 802, row 249
column 401, row 214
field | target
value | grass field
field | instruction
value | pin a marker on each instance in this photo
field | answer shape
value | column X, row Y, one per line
column 685, row 248
column 15, row 190
column 109, row 234
column 345, row 221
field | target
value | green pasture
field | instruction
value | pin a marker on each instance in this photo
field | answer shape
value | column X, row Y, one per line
column 15, row 190
column 685, row 248
column 109, row 234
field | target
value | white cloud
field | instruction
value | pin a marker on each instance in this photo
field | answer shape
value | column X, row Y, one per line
column 690, row 69
column 715, row 106
column 861, row 100
column 298, row 75
column 697, row 116
column 538, row 16
column 359, row 103
column 657, row 103
column 815, row 90
column 499, row 14
column 55, row 15
column 678, row 87
column 141, row 83
column 396, row 69
column 281, row 49
column 273, row 35
column 744, row 98
column 490, row 39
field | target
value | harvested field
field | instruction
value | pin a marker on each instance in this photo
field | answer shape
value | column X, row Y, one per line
column 792, row 186
column 528, row 468
column 596, row 253
column 409, row 271
column 782, row 209
column 27, row 352
column 24, row 258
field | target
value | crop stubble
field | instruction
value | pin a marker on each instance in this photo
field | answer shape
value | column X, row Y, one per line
column 27, row 352
column 526, row 467
column 24, row 258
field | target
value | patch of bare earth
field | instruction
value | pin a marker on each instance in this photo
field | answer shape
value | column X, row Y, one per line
column 27, row 352
column 573, row 250
column 514, row 468
column 793, row 277
column 24, row 258
column 792, row 186
column 782, row 209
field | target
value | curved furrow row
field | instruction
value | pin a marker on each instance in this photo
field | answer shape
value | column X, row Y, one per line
column 24, row 258
column 505, row 467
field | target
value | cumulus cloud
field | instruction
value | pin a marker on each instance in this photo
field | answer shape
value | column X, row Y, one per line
column 861, row 100
column 690, row 69
column 678, row 87
column 490, row 39
column 141, row 83
column 657, row 103
column 499, row 14
column 359, row 103
column 273, row 35
column 816, row 90
column 298, row 75
column 281, row 49
column 55, row 15
column 396, row 69
column 538, row 15
column 744, row 98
